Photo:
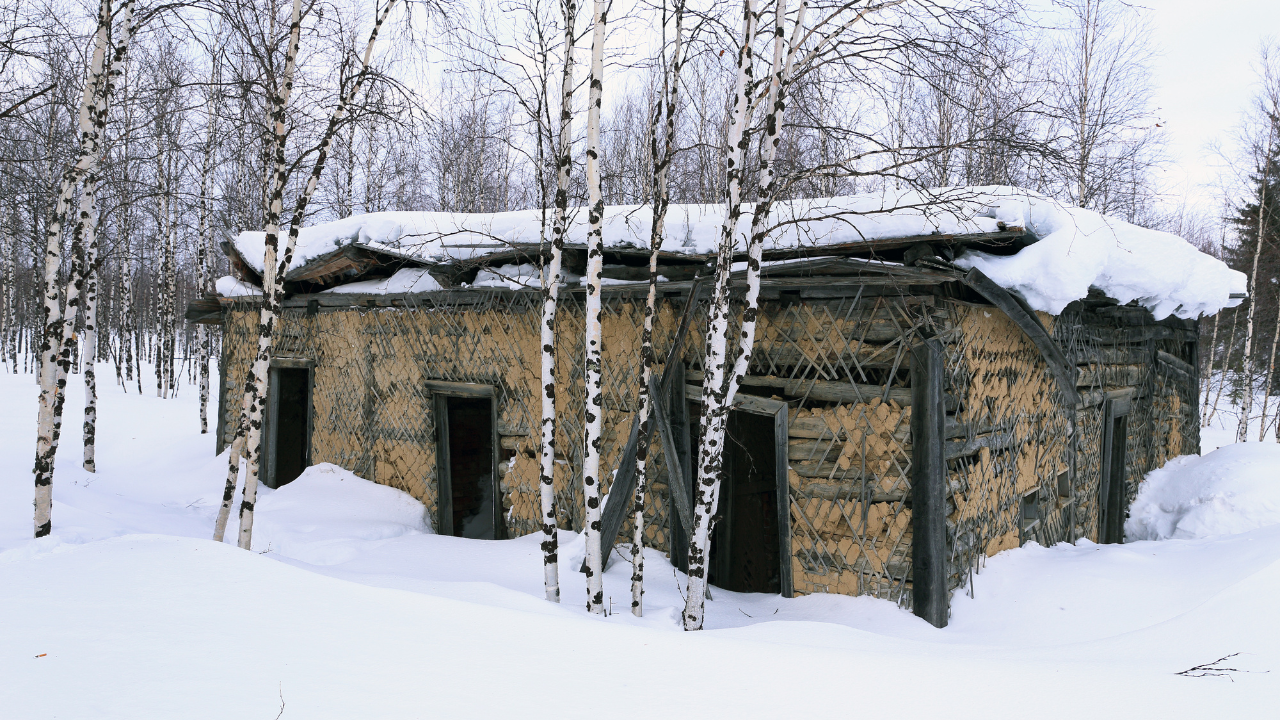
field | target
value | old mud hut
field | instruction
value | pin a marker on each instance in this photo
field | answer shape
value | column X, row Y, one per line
column 933, row 381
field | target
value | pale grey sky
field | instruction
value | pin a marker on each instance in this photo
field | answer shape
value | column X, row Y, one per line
column 1204, row 77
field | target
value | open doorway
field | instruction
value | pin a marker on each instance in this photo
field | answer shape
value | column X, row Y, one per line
column 288, row 436
column 1112, row 495
column 745, row 555
column 469, row 499
column 751, row 538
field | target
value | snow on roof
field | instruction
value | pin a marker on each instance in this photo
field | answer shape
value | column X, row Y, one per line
column 405, row 280
column 1079, row 248
column 228, row 286
column 1076, row 248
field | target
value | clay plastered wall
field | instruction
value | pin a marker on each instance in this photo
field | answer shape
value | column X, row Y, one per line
column 1009, row 438
column 374, row 415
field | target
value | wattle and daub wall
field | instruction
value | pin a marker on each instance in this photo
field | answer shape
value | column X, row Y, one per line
column 1022, row 464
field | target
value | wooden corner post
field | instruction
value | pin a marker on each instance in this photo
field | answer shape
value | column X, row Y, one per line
column 929, row 595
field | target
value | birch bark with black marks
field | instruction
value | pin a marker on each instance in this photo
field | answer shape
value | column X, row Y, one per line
column 661, row 154
column 89, row 195
column 1266, row 390
column 715, row 400
column 276, row 270
column 594, row 423
column 1246, row 361
column 550, row 303
column 204, row 243
column 54, row 352
column 255, row 384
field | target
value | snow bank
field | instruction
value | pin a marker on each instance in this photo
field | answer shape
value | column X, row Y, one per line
column 328, row 515
column 1076, row 248
column 407, row 280
column 228, row 286
column 1231, row 490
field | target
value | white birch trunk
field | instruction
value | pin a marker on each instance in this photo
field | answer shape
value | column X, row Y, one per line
column 54, row 353
column 715, row 399
column 203, row 246
column 1246, row 402
column 550, row 302
column 255, row 387
column 89, row 429
column 661, row 158
column 595, row 265
column 273, row 291
column 1266, row 392
column 1208, row 387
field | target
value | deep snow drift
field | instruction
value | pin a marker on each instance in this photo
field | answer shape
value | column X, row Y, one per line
column 350, row 607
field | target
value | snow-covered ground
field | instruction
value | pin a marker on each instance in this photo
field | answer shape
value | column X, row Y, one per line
column 350, row 608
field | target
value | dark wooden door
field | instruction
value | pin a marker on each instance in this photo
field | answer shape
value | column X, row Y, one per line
column 744, row 547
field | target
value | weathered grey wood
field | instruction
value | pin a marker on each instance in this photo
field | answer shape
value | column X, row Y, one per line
column 499, row 516
column 1134, row 335
column 993, row 441
column 781, row 434
column 1109, row 375
column 930, row 599
column 680, row 491
column 297, row 363
column 1177, row 365
column 624, row 482
column 459, row 389
column 444, row 484
column 1027, row 321
column 269, row 426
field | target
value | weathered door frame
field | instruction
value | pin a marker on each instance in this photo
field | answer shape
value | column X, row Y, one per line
column 441, row 391
column 269, row 424
column 778, row 410
column 1117, row 405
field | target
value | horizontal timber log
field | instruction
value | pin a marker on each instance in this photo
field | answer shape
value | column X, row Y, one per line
column 1110, row 375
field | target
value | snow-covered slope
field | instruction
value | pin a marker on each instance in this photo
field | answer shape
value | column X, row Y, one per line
column 348, row 607
column 1076, row 248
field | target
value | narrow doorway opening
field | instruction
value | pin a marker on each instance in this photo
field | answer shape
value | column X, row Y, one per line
column 465, row 467
column 746, row 547
column 1111, row 491
column 289, row 425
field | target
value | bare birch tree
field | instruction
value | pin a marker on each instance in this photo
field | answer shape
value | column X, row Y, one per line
column 55, row 350
column 550, row 296
column 662, row 149
column 594, row 424
column 716, row 396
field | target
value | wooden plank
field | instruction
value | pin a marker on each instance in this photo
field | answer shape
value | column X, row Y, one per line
column 269, row 427
column 676, row 477
column 782, row 483
column 930, row 599
column 617, row 503
column 297, row 363
column 499, row 516
column 1185, row 369
column 444, row 484
column 459, row 389
column 1063, row 372
column 820, row 390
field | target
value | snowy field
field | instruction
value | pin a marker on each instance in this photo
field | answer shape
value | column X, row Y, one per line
column 349, row 608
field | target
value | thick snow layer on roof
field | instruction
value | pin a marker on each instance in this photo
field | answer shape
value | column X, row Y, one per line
column 1080, row 248
column 406, row 280
column 228, row 286
column 1076, row 249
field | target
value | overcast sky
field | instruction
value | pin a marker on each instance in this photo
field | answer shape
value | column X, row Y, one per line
column 1204, row 77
